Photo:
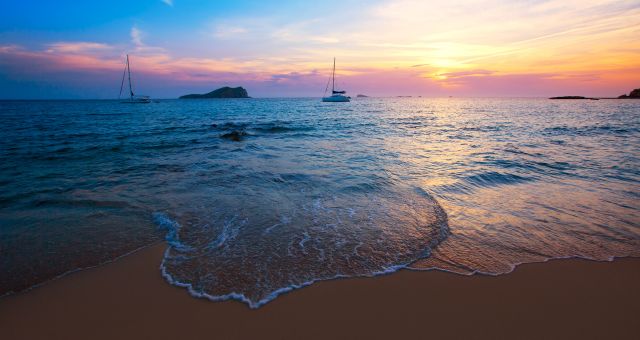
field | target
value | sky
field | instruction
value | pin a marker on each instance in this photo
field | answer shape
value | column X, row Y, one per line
column 76, row 49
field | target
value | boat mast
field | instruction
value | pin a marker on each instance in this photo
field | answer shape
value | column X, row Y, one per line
column 124, row 73
column 333, row 76
column 129, row 72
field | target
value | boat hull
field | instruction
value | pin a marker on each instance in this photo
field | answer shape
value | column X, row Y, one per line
column 336, row 99
column 136, row 101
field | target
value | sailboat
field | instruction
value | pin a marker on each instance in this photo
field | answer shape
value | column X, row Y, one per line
column 133, row 99
column 336, row 96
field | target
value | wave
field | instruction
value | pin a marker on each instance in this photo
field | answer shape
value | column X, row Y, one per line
column 591, row 130
column 171, row 229
column 108, row 114
column 195, row 292
column 145, row 169
column 489, row 179
column 274, row 129
column 492, row 179
column 239, row 131
column 254, row 258
column 79, row 203
column 229, row 232
column 230, row 126
column 170, row 145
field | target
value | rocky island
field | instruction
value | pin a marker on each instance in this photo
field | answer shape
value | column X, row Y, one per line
column 635, row 94
column 223, row 92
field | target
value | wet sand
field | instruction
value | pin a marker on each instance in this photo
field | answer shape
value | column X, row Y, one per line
column 560, row 299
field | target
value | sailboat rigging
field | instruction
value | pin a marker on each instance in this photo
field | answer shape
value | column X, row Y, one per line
column 336, row 96
column 133, row 99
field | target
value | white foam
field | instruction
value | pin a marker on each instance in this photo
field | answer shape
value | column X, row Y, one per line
column 230, row 230
column 325, row 244
column 172, row 227
column 274, row 294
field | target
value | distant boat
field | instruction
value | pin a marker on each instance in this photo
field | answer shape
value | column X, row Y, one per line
column 336, row 96
column 133, row 99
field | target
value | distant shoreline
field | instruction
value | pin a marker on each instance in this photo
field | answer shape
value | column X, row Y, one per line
column 634, row 94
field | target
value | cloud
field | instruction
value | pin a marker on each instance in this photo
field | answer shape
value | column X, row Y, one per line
column 168, row 2
column 469, row 73
column 77, row 47
column 136, row 36
column 56, row 57
column 295, row 76
column 9, row 48
column 225, row 31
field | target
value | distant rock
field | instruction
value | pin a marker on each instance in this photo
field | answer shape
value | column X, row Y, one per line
column 362, row 96
column 573, row 97
column 635, row 94
column 235, row 135
column 223, row 92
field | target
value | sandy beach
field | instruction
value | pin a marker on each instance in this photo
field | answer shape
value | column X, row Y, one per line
column 128, row 299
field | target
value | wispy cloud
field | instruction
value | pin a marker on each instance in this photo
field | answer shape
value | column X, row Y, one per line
column 136, row 36
column 77, row 47
column 140, row 47
column 61, row 56
column 12, row 48
column 226, row 31
column 295, row 77
column 469, row 73
column 168, row 2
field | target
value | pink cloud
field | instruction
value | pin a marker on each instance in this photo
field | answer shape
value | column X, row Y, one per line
column 77, row 47
column 466, row 73
column 545, row 84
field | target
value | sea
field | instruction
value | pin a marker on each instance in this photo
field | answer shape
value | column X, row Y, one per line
column 256, row 197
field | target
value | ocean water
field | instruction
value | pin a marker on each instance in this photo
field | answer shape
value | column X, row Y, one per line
column 260, row 196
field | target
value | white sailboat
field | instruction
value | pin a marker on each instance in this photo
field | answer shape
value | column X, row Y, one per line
column 133, row 99
column 336, row 96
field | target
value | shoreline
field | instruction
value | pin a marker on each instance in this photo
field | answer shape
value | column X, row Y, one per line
column 128, row 298
column 78, row 270
column 285, row 290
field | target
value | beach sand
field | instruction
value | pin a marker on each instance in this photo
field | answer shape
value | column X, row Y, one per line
column 559, row 299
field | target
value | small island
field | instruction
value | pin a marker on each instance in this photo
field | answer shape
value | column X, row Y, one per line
column 362, row 96
column 635, row 94
column 573, row 97
column 223, row 92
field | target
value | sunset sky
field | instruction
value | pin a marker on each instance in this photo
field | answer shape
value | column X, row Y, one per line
column 76, row 49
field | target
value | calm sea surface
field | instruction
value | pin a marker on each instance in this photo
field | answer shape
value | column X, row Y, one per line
column 256, row 197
